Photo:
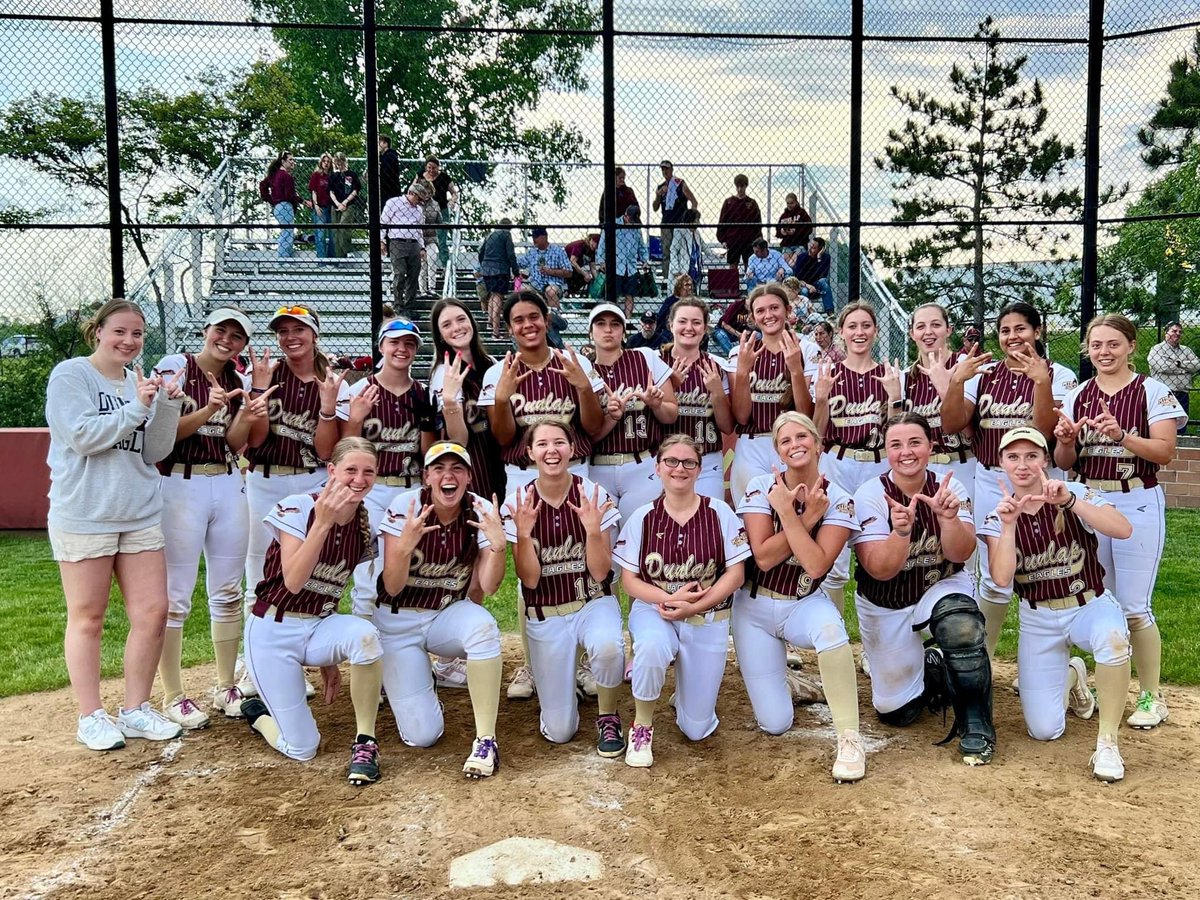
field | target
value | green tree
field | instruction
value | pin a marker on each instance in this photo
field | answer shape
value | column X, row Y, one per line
column 1176, row 122
column 975, row 154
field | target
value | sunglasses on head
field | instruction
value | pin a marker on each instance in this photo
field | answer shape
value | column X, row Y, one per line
column 400, row 326
column 293, row 311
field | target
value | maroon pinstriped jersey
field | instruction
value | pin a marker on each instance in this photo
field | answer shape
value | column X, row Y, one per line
column 207, row 444
column 1004, row 401
column 696, row 417
column 294, row 411
column 1054, row 563
column 439, row 571
column 638, row 431
column 856, row 406
column 770, row 385
column 487, row 469
column 344, row 548
column 545, row 396
column 672, row 555
column 394, row 426
column 789, row 578
column 925, row 566
column 1100, row 457
column 924, row 399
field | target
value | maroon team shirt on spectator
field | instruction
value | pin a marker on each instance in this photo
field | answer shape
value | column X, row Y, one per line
column 318, row 183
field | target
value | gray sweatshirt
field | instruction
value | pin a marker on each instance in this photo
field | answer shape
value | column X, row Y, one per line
column 103, row 447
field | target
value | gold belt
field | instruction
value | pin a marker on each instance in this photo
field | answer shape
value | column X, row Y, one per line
column 189, row 469
column 857, row 455
column 1115, row 485
column 397, row 480
column 704, row 618
column 619, row 459
column 1060, row 603
column 563, row 609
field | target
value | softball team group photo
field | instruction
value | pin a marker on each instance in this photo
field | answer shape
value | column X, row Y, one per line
column 943, row 491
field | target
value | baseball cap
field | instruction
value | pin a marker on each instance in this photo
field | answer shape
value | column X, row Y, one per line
column 602, row 308
column 300, row 313
column 633, row 213
column 421, row 190
column 972, row 334
column 1024, row 433
column 665, row 164
column 539, row 232
column 228, row 314
column 649, row 317
column 399, row 327
column 446, row 448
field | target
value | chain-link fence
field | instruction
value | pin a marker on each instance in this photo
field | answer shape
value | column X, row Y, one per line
column 969, row 154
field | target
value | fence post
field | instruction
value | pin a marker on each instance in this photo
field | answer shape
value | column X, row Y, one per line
column 371, row 99
column 1091, row 176
column 854, row 272
column 112, row 151
column 197, row 266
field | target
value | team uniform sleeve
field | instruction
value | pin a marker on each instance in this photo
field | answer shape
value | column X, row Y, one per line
column 841, row 511
column 396, row 515
column 971, row 389
column 597, row 382
column 733, row 533
column 629, row 543
column 966, row 503
column 1064, row 381
column 755, row 498
column 290, row 516
column 871, row 511
column 345, row 393
column 170, row 366
column 507, row 519
column 1085, row 494
column 487, row 390
column 1068, row 403
column 659, row 370
column 1161, row 405
column 991, row 525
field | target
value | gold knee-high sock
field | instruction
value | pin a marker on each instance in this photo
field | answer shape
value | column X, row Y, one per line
column 483, row 683
column 993, row 617
column 644, row 712
column 1147, row 657
column 841, row 687
column 170, row 664
column 606, row 699
column 267, row 727
column 225, row 636
column 1112, row 688
column 365, row 681
column 838, row 596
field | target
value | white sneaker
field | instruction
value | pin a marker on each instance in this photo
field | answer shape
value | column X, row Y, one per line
column 639, row 752
column 450, row 673
column 147, row 722
column 794, row 660
column 98, row 731
column 484, row 759
column 865, row 664
column 804, row 690
column 1150, row 711
column 245, row 684
column 1107, row 764
column 310, row 689
column 851, row 762
column 184, row 711
column 1016, row 685
column 1081, row 701
column 584, row 679
column 228, row 701
column 522, row 687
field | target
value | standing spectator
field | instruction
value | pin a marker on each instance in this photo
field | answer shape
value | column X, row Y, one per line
column 729, row 330
column 812, row 268
column 445, row 192
column 1175, row 365
column 284, row 200
column 647, row 335
column 740, row 223
column 427, row 283
column 675, row 198
column 631, row 255
column 582, row 254
column 404, row 243
column 625, row 195
column 498, row 266
column 794, row 229
column 322, row 206
column 830, row 352
column 687, row 249
column 345, row 193
column 548, row 268
column 389, row 171
column 766, row 265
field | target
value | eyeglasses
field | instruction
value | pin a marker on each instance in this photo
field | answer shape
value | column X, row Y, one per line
column 672, row 462
column 293, row 311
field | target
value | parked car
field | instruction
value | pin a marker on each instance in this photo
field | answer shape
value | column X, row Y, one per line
column 19, row 344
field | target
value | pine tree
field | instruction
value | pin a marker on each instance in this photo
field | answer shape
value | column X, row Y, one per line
column 1176, row 122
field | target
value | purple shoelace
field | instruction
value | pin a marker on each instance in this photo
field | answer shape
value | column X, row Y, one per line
column 187, row 707
column 610, row 728
column 363, row 753
column 641, row 736
column 486, row 746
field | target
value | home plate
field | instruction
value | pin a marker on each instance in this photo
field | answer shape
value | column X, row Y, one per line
column 520, row 860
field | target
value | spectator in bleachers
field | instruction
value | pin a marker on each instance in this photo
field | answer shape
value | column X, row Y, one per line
column 683, row 287
column 427, row 283
column 404, row 219
column 687, row 249
column 972, row 340
column 765, row 265
column 1175, row 365
column 647, row 334
column 498, row 267
column 389, row 171
column 675, row 199
column 548, row 268
column 735, row 320
column 322, row 204
column 740, row 223
column 582, row 254
column 445, row 192
column 631, row 256
column 823, row 334
column 345, row 193
column 625, row 195
column 794, row 229
column 284, row 200
column 812, row 268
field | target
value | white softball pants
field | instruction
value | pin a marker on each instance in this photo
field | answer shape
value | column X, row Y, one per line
column 631, row 485
column 752, row 456
column 849, row 475
column 1131, row 565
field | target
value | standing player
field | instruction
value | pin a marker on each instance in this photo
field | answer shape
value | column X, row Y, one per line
column 798, row 523
column 1023, row 389
column 1116, row 430
column 319, row 539
column 538, row 384
column 397, row 415
column 917, row 535
column 204, row 511
column 769, row 378
column 562, row 527
column 442, row 545
column 1030, row 534
column 641, row 401
column 108, row 427
column 682, row 555
column 702, row 392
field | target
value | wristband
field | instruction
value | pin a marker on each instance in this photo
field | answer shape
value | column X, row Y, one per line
column 1070, row 503
column 255, row 390
column 326, row 418
column 1121, row 438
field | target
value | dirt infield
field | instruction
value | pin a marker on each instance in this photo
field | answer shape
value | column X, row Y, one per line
column 740, row 815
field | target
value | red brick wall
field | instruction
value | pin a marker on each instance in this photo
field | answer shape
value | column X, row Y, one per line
column 1181, row 479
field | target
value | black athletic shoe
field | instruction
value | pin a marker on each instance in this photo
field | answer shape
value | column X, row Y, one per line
column 364, row 762
column 610, row 738
column 976, row 749
column 252, row 709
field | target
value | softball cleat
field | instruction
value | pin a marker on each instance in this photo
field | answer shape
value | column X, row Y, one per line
column 484, row 760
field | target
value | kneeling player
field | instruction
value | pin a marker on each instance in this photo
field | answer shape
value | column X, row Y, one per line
column 318, row 540
column 441, row 546
column 916, row 536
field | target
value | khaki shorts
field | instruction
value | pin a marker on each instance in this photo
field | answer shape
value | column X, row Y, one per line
column 69, row 546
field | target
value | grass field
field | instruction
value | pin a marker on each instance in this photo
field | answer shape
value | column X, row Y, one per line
column 32, row 610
